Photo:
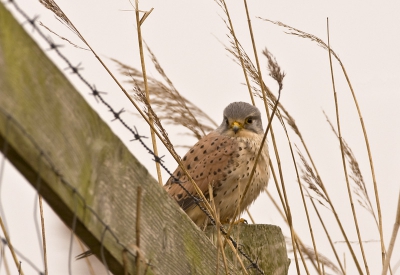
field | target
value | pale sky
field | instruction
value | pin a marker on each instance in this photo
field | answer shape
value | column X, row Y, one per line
column 187, row 37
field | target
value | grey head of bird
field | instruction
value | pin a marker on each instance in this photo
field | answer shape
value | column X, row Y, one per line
column 240, row 120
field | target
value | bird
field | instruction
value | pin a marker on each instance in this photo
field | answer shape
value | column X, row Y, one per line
column 224, row 159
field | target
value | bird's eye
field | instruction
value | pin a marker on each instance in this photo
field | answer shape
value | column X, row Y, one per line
column 226, row 121
column 249, row 120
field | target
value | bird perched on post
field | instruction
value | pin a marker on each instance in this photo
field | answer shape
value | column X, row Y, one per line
column 224, row 159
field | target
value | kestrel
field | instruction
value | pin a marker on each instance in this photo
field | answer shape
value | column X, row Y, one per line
column 224, row 159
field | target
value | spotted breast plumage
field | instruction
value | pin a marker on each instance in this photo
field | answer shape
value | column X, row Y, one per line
column 224, row 159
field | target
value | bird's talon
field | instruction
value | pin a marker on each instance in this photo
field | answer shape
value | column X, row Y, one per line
column 241, row 221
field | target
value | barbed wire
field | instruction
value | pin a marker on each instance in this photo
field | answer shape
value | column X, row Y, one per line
column 137, row 137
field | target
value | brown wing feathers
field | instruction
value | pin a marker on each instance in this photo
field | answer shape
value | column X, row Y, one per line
column 207, row 163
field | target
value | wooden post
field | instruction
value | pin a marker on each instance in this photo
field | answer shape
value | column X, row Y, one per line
column 264, row 243
column 86, row 173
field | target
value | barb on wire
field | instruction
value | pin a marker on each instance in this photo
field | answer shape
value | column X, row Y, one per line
column 74, row 69
column 137, row 136
column 95, row 93
column 54, row 46
column 117, row 117
column 117, row 114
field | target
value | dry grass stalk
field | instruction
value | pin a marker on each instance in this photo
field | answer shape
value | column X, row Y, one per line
column 321, row 43
column 294, row 240
column 251, row 71
column 310, row 252
column 140, row 96
column 277, row 75
column 278, row 78
column 396, row 227
column 62, row 17
column 61, row 37
column 237, row 257
column 4, row 259
column 263, row 87
column 46, row 271
column 198, row 119
column 303, row 260
column 344, row 160
column 359, row 187
column 326, row 232
column 10, row 246
column 125, row 261
column 299, row 33
column 289, row 240
column 274, row 69
column 325, row 261
column 315, row 177
column 325, row 194
column 224, row 8
column 278, row 189
column 314, row 182
column 139, row 22
column 220, row 247
column 318, row 267
column 264, row 97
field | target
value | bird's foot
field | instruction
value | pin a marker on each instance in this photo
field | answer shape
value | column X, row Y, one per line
column 240, row 221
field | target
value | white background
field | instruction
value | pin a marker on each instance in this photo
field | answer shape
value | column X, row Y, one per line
column 187, row 37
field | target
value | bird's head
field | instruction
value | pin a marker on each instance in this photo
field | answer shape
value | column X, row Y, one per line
column 240, row 120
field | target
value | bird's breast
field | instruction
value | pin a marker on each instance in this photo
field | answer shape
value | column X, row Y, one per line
column 228, row 194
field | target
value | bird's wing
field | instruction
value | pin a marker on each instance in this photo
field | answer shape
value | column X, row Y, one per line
column 207, row 162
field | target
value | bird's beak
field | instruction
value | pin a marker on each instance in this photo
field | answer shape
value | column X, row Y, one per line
column 236, row 126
